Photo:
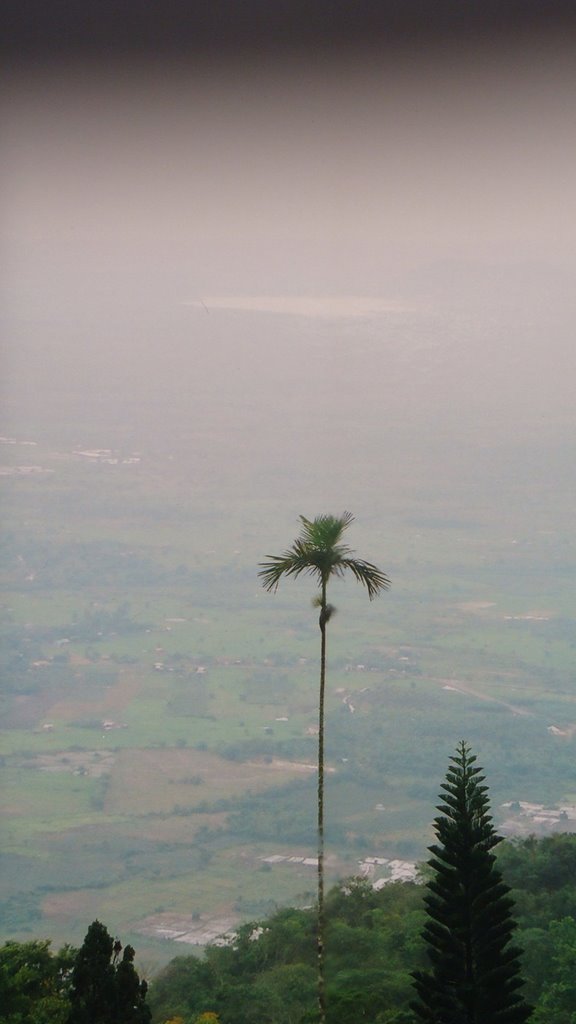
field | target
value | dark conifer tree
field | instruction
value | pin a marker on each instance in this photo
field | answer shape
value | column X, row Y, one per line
column 474, row 976
column 92, row 992
column 106, row 989
column 130, row 991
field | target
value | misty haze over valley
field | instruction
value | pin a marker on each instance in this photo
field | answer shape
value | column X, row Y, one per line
column 236, row 291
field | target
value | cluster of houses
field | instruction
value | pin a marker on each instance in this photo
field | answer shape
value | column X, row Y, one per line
column 380, row 871
column 194, row 930
column 536, row 819
column 396, row 871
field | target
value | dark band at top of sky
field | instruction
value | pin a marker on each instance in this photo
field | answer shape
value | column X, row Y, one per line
column 57, row 27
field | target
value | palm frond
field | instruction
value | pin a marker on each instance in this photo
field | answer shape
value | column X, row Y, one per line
column 318, row 552
column 294, row 561
column 366, row 573
column 325, row 531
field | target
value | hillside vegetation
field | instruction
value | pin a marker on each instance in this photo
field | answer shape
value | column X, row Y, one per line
column 265, row 973
column 374, row 941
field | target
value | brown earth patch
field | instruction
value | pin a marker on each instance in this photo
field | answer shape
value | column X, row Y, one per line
column 145, row 781
column 93, row 763
column 114, row 699
column 78, row 659
column 30, row 710
column 73, row 905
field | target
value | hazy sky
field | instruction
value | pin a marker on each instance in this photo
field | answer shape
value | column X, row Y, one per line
column 184, row 223
column 290, row 164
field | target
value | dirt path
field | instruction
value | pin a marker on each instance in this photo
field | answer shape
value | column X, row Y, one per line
column 457, row 687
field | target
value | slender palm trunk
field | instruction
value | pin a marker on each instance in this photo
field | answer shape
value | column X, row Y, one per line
column 320, row 926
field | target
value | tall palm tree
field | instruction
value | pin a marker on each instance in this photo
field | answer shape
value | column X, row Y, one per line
column 318, row 551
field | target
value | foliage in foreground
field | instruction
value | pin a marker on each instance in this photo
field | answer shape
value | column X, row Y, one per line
column 90, row 985
column 268, row 976
column 375, row 943
column 269, row 973
column 34, row 983
column 104, row 986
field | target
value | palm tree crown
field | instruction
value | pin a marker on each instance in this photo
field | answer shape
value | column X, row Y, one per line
column 318, row 552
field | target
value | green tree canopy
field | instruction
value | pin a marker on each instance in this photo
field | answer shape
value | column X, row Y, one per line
column 34, row 983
